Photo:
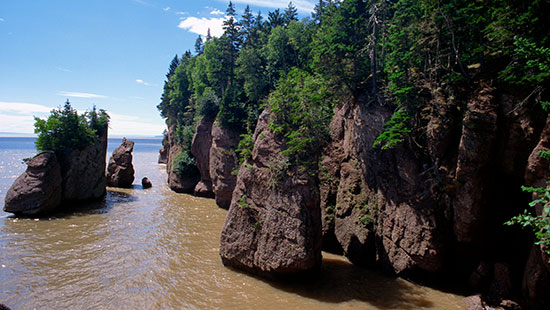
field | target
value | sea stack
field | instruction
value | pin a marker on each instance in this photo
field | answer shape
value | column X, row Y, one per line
column 120, row 172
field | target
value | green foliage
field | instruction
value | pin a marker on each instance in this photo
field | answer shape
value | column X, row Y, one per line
column 208, row 104
column 531, row 64
column 394, row 129
column 301, row 112
column 540, row 224
column 244, row 150
column 184, row 164
column 65, row 130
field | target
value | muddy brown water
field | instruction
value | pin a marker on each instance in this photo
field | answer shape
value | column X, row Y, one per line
column 155, row 249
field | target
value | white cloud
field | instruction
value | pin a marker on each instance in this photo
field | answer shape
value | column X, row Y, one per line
column 129, row 125
column 142, row 82
column 181, row 13
column 216, row 12
column 63, row 69
column 79, row 95
column 23, row 108
column 304, row 6
column 201, row 25
column 18, row 116
column 166, row 9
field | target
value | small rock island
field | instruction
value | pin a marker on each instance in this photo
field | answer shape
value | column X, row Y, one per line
column 120, row 172
column 70, row 167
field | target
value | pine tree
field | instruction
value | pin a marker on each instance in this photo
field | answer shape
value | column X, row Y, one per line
column 208, row 35
column 198, row 45
column 290, row 14
column 247, row 23
column 173, row 66
column 275, row 19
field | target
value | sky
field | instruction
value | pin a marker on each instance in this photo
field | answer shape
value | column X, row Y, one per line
column 110, row 53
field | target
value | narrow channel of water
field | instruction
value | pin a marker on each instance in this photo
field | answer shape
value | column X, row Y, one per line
column 155, row 249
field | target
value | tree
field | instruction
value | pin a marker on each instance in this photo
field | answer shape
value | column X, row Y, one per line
column 208, row 35
column 65, row 130
column 173, row 65
column 198, row 46
column 247, row 23
column 290, row 14
column 275, row 19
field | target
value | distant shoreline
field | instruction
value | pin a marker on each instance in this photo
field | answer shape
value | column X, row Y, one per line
column 30, row 135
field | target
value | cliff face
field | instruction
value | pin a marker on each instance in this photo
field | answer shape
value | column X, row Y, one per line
column 432, row 208
column 214, row 150
column 273, row 226
column 200, row 147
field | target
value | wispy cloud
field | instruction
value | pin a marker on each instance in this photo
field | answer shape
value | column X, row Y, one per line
column 142, row 2
column 181, row 13
column 79, row 95
column 201, row 25
column 19, row 116
column 23, row 108
column 304, row 6
column 166, row 9
column 143, row 82
column 63, row 69
column 1, row 19
column 216, row 12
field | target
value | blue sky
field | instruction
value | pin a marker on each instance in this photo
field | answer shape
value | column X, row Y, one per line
column 111, row 53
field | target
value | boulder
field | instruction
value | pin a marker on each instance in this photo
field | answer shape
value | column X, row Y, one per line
column 200, row 148
column 146, row 183
column 474, row 302
column 39, row 189
column 120, row 172
column 222, row 163
column 273, row 227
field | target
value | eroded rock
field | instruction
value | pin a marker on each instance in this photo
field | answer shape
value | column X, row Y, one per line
column 222, row 163
column 146, row 183
column 38, row 189
column 273, row 227
column 120, row 172
column 200, row 148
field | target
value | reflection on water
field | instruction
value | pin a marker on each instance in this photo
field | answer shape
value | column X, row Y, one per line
column 155, row 249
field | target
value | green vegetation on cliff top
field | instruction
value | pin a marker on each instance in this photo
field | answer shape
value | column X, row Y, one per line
column 373, row 52
column 65, row 130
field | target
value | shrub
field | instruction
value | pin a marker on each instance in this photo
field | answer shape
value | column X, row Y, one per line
column 184, row 164
column 64, row 129
column 539, row 223
column 301, row 115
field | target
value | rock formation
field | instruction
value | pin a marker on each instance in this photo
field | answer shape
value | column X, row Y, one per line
column 273, row 226
column 200, row 148
column 146, row 183
column 222, row 164
column 163, row 155
column 51, row 180
column 120, row 172
column 39, row 189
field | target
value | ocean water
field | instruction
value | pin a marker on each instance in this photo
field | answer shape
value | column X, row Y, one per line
column 156, row 249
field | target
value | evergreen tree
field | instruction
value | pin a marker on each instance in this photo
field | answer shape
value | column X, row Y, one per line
column 198, row 46
column 291, row 13
column 208, row 35
column 173, row 65
column 275, row 19
column 247, row 23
